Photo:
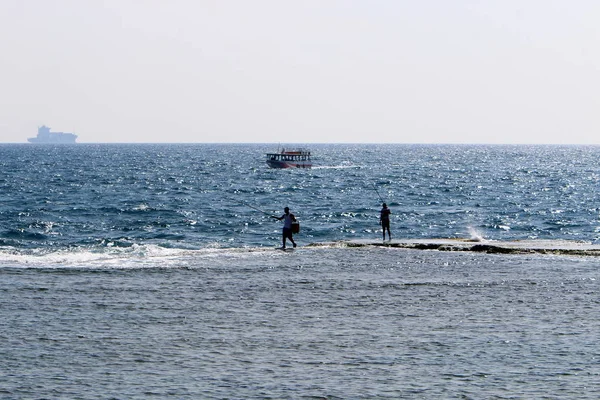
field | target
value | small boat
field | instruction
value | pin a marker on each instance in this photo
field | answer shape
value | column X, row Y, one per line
column 297, row 158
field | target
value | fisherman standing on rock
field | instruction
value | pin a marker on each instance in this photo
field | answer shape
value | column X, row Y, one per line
column 384, row 219
column 287, row 218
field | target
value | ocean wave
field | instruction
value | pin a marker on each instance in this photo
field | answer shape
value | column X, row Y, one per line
column 134, row 256
column 23, row 234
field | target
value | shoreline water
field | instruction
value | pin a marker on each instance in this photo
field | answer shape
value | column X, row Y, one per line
column 339, row 322
column 153, row 254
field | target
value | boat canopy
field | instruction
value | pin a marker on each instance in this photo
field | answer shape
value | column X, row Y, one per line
column 289, row 156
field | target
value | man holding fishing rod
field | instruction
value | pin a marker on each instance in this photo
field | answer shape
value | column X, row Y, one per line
column 384, row 219
column 290, row 224
column 287, row 218
column 384, row 216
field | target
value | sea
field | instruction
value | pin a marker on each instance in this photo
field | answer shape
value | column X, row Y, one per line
column 140, row 271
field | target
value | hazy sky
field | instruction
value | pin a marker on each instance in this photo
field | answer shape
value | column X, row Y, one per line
column 309, row 71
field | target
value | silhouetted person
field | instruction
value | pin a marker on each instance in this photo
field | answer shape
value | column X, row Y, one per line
column 384, row 219
column 287, row 218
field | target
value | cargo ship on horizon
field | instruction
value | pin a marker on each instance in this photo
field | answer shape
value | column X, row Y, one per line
column 46, row 136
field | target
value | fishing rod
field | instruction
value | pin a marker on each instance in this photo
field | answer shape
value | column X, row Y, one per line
column 256, row 208
column 252, row 207
column 377, row 191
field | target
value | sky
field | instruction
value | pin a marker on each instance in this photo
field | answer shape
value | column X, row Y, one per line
column 310, row 71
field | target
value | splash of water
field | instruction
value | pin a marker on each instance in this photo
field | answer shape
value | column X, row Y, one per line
column 475, row 236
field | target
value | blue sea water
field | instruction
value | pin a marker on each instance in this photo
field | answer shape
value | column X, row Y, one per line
column 137, row 271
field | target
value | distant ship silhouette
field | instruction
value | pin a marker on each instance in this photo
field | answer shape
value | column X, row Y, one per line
column 45, row 136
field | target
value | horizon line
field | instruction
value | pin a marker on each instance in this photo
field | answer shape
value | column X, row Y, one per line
column 325, row 143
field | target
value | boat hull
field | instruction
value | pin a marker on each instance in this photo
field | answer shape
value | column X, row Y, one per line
column 288, row 164
column 59, row 140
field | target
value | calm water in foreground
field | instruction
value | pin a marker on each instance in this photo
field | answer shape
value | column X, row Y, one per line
column 146, row 271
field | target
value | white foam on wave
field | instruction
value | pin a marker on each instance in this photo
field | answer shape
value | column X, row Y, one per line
column 336, row 166
column 135, row 256
column 78, row 256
